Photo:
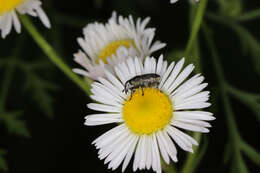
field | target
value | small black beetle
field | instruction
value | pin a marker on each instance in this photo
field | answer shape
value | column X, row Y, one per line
column 150, row 80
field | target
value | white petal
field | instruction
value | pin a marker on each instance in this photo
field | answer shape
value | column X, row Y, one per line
column 107, row 148
column 162, row 148
column 138, row 66
column 137, row 154
column 182, row 143
column 149, row 152
column 114, row 80
column 194, row 122
column 130, row 153
column 6, row 24
column 190, row 92
column 99, row 119
column 131, row 66
column 43, row 17
column 200, row 97
column 124, row 152
column 109, row 136
column 166, row 74
column 117, row 155
column 156, row 157
column 195, row 115
column 153, row 65
column 103, row 108
column 173, row 74
column 114, row 91
column 196, row 105
column 120, row 75
column 192, row 82
column 147, row 66
column 182, row 76
column 190, row 127
column 159, row 65
column 16, row 22
column 171, row 147
column 142, row 161
column 187, row 137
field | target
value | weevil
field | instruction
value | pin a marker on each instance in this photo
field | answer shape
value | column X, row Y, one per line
column 150, row 80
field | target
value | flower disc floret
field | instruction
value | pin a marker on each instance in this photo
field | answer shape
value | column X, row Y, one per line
column 147, row 111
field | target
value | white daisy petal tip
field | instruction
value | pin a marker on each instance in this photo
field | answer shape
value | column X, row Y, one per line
column 182, row 100
column 8, row 14
column 173, row 1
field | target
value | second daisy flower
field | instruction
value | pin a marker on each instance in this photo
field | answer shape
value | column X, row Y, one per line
column 105, row 45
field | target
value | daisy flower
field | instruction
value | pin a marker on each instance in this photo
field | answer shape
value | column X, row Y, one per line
column 105, row 45
column 148, row 119
column 8, row 14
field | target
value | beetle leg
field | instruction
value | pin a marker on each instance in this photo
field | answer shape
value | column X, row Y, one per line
column 131, row 96
column 142, row 91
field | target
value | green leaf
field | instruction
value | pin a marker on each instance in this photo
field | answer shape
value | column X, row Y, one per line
column 38, row 87
column 249, row 45
column 3, row 164
column 39, row 90
column 249, row 15
column 230, row 8
column 251, row 100
column 227, row 153
column 14, row 124
column 201, row 153
column 251, row 153
column 255, row 107
column 241, row 165
column 238, row 164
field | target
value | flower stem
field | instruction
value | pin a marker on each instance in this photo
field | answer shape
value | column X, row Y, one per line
column 255, row 14
column 196, row 26
column 168, row 168
column 188, row 165
column 233, row 130
column 6, row 83
column 53, row 56
column 193, row 39
column 10, row 69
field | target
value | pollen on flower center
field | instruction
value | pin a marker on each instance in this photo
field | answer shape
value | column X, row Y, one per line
column 148, row 112
column 112, row 47
column 7, row 5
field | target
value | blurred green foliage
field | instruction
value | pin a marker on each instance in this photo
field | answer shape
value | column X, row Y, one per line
column 231, row 14
column 230, row 8
column 34, row 85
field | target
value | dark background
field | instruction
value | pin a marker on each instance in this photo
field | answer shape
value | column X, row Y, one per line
column 63, row 143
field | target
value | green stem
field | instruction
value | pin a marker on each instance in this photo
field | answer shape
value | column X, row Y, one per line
column 255, row 14
column 196, row 26
column 6, row 83
column 242, row 94
column 233, row 130
column 53, row 56
column 250, row 152
column 188, row 165
column 168, row 168
column 193, row 48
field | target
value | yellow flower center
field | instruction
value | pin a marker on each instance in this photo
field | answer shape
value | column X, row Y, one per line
column 111, row 48
column 148, row 112
column 7, row 5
